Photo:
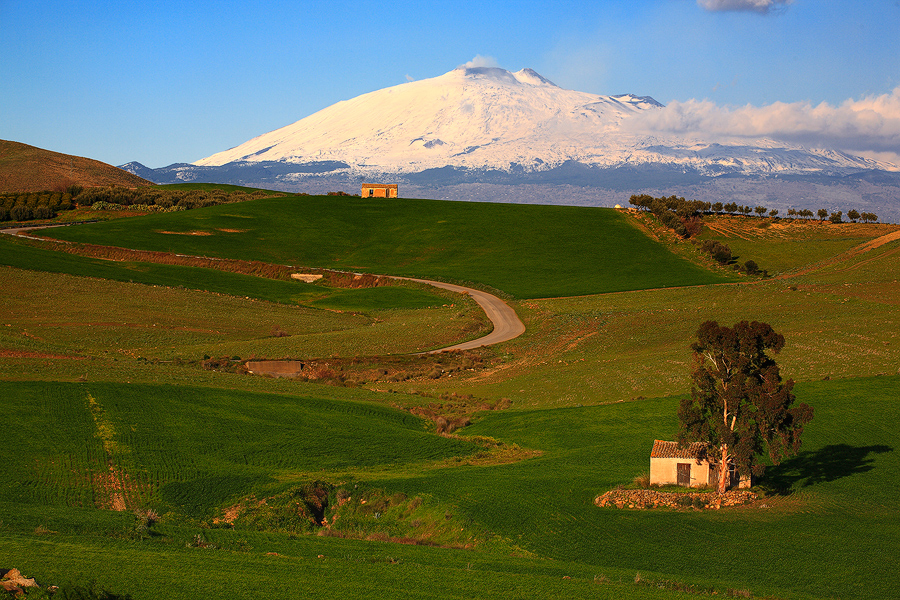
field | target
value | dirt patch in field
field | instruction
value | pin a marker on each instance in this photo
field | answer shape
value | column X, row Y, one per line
column 201, row 233
column 232, row 230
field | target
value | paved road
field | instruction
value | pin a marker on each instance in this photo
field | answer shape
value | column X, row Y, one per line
column 507, row 324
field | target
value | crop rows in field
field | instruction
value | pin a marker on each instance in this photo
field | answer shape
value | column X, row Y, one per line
column 130, row 446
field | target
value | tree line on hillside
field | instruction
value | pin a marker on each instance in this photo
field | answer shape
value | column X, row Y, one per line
column 682, row 216
column 163, row 199
column 30, row 206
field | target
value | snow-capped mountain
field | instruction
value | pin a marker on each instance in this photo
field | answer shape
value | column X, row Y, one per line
column 491, row 135
column 491, row 119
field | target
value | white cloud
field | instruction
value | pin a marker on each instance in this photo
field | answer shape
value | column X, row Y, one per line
column 868, row 125
column 759, row 6
column 481, row 61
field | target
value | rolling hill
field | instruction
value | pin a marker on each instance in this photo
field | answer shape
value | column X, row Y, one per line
column 120, row 415
column 25, row 168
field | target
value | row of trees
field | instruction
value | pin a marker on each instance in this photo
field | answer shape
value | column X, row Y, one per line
column 35, row 205
column 835, row 217
column 164, row 198
column 30, row 206
column 685, row 209
column 721, row 253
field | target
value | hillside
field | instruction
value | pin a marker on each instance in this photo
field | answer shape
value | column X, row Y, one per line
column 525, row 251
column 25, row 168
column 144, row 423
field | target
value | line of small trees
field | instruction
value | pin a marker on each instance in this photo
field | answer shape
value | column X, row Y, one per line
column 834, row 217
column 29, row 206
column 164, row 198
column 686, row 209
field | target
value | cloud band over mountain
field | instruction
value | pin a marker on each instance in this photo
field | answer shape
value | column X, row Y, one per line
column 757, row 6
column 870, row 124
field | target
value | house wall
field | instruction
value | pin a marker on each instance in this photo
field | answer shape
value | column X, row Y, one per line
column 379, row 190
column 664, row 471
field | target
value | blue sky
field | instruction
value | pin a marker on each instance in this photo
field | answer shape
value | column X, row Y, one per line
column 167, row 82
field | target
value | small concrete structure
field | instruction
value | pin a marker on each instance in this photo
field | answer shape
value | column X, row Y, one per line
column 275, row 368
column 379, row 190
column 306, row 277
column 688, row 467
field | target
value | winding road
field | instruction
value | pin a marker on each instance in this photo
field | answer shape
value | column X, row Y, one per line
column 507, row 324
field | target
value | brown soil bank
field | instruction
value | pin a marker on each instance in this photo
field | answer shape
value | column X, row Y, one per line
column 24, row 168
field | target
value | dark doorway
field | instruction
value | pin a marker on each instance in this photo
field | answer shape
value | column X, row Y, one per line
column 684, row 474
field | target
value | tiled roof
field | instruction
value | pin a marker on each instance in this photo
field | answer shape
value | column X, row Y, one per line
column 663, row 449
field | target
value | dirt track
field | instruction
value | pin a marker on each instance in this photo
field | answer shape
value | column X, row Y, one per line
column 507, row 324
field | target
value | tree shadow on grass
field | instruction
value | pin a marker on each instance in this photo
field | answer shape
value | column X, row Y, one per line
column 820, row 466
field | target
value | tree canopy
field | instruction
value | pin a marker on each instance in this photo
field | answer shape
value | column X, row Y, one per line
column 739, row 405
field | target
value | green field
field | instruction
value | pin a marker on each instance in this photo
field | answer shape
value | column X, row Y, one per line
column 525, row 251
column 23, row 256
column 110, row 408
column 214, row 446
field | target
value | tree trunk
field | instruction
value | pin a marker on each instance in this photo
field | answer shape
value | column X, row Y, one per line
column 724, row 474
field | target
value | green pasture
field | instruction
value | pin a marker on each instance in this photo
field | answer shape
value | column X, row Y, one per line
column 524, row 250
column 830, row 529
column 191, row 450
column 786, row 245
column 216, row 445
column 16, row 254
column 63, row 315
column 842, row 321
column 277, row 566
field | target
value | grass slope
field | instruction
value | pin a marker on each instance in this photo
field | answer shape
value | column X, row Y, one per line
column 24, row 256
column 47, row 314
column 525, row 250
column 215, row 445
column 800, row 545
column 25, row 168
column 110, row 440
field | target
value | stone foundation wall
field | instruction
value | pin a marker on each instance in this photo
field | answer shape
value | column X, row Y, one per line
column 640, row 499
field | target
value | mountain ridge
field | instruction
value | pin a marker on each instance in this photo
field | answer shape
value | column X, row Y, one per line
column 466, row 133
column 490, row 118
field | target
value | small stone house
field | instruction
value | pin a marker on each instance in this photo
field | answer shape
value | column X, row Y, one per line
column 688, row 467
column 379, row 190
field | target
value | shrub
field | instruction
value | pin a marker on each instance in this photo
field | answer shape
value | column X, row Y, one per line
column 719, row 251
column 643, row 480
column 751, row 267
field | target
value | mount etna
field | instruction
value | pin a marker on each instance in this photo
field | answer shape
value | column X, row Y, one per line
column 485, row 133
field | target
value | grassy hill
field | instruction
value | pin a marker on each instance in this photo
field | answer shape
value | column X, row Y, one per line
column 525, row 251
column 25, row 168
column 100, row 373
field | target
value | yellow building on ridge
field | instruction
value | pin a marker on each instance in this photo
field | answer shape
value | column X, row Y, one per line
column 379, row 190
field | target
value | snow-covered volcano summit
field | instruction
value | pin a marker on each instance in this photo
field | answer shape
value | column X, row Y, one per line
column 489, row 119
column 479, row 117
